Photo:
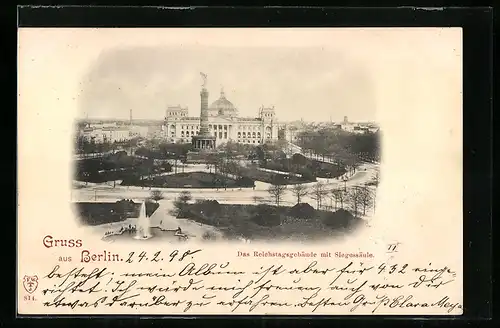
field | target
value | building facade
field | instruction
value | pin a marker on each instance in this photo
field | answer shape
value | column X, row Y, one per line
column 105, row 134
column 223, row 122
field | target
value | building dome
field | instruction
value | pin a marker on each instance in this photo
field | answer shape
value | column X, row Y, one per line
column 223, row 106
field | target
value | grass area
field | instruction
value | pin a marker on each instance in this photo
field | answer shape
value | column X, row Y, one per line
column 253, row 173
column 117, row 166
column 305, row 166
column 265, row 222
column 192, row 180
column 102, row 213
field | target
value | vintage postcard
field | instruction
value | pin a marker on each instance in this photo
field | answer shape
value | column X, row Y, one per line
column 273, row 171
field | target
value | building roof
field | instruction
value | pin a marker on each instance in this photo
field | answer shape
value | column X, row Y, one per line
column 222, row 105
column 177, row 108
column 115, row 128
column 255, row 119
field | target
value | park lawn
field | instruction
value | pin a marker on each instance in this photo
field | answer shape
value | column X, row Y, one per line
column 316, row 168
column 191, row 180
column 91, row 213
column 112, row 167
column 266, row 222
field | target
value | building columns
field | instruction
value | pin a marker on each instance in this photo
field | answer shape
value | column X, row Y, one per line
column 204, row 144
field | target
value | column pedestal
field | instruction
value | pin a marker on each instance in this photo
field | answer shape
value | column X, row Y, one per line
column 203, row 142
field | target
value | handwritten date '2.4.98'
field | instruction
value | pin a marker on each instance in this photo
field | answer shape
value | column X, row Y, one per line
column 181, row 283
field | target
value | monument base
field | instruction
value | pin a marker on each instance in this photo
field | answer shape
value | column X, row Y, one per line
column 202, row 143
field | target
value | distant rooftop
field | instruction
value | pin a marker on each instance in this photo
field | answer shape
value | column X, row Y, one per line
column 249, row 119
column 119, row 121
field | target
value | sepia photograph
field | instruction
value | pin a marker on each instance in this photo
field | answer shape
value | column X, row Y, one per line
column 225, row 143
column 236, row 171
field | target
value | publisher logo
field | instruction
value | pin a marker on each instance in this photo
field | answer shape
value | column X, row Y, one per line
column 30, row 283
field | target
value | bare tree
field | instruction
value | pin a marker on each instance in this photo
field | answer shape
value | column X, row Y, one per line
column 318, row 193
column 376, row 177
column 352, row 164
column 341, row 196
column 277, row 191
column 354, row 196
column 345, row 179
column 299, row 191
column 366, row 198
column 338, row 195
column 156, row 195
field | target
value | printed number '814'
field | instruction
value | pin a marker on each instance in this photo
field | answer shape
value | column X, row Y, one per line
column 29, row 298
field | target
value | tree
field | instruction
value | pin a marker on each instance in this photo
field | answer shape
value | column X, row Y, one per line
column 354, row 197
column 339, row 197
column 260, row 154
column 352, row 163
column 376, row 179
column 365, row 198
column 156, row 195
column 175, row 165
column 345, row 179
column 209, row 167
column 277, row 191
column 210, row 160
column 181, row 202
column 281, row 144
column 144, row 170
column 229, row 148
column 233, row 167
column 218, row 162
column 318, row 193
column 299, row 191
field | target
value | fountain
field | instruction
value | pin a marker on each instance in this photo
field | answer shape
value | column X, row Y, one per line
column 143, row 224
column 144, row 231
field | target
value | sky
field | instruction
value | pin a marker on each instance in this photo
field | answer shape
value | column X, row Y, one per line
column 309, row 74
column 297, row 81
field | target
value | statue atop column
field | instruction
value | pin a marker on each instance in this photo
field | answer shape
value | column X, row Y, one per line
column 204, row 77
column 204, row 140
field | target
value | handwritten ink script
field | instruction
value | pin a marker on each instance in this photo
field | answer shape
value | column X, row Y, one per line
column 185, row 282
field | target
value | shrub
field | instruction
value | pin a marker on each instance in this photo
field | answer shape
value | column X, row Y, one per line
column 279, row 179
column 208, row 235
column 266, row 215
column 245, row 182
column 267, row 220
column 307, row 174
column 302, row 210
column 264, row 209
column 208, row 207
column 156, row 195
column 298, row 159
column 339, row 219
